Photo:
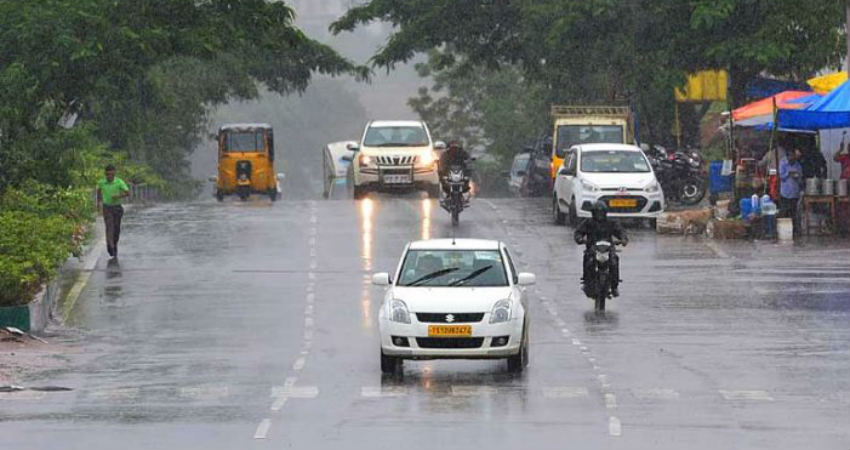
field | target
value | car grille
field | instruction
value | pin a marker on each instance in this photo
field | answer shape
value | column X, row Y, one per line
column 641, row 202
column 396, row 160
column 474, row 342
column 444, row 317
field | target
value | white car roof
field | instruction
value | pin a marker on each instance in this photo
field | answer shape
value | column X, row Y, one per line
column 244, row 126
column 456, row 244
column 397, row 123
column 604, row 146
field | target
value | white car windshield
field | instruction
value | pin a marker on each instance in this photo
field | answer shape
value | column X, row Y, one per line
column 614, row 161
column 453, row 268
column 401, row 136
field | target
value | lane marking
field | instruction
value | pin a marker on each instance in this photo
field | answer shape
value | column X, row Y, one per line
column 289, row 382
column 565, row 392
column 278, row 403
column 22, row 395
column 655, row 394
column 602, row 378
column 746, row 395
column 263, row 429
column 115, row 394
column 467, row 391
column 383, row 391
column 204, row 392
column 614, row 427
column 308, row 322
column 610, row 400
column 295, row 391
column 576, row 341
column 299, row 363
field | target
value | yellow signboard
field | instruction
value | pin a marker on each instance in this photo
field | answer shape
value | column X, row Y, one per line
column 704, row 86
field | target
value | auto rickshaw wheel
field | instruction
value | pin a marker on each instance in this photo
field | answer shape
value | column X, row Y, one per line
column 219, row 196
column 273, row 194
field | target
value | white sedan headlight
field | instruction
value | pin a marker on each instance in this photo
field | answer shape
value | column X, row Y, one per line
column 652, row 188
column 399, row 312
column 589, row 187
column 501, row 311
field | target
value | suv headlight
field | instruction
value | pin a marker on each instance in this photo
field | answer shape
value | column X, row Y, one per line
column 399, row 312
column 653, row 188
column 426, row 159
column 365, row 160
column 501, row 311
column 589, row 187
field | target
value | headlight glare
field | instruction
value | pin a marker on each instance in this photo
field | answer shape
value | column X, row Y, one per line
column 399, row 312
column 501, row 311
column 427, row 159
column 365, row 160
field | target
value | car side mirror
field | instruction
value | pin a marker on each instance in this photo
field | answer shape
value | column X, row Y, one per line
column 526, row 279
column 439, row 145
column 353, row 146
column 348, row 158
column 564, row 171
column 381, row 279
column 213, row 179
column 280, row 176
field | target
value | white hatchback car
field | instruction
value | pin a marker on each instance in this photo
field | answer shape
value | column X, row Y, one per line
column 618, row 174
column 454, row 299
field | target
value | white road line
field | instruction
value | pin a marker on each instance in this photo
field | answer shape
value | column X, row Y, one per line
column 467, row 391
column 602, row 378
column 263, row 429
column 295, row 391
column 311, row 242
column 576, row 341
column 565, row 331
column 564, row 392
column 383, row 391
column 583, row 348
column 746, row 395
column 313, row 265
column 115, row 394
column 308, row 322
column 310, row 297
column 610, row 400
column 289, row 382
column 278, row 403
column 614, row 427
column 592, row 360
column 299, row 363
column 22, row 395
column 655, row 394
column 204, row 392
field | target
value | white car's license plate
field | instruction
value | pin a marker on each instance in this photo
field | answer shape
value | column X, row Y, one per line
column 396, row 179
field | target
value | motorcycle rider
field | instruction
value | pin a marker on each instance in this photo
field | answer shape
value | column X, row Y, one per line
column 599, row 228
column 454, row 155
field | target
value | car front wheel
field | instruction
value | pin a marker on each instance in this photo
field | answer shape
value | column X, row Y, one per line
column 390, row 365
column 518, row 362
column 559, row 217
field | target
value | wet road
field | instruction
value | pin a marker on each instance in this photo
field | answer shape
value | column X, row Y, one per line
column 253, row 326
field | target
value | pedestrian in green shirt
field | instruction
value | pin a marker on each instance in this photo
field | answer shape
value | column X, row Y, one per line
column 110, row 191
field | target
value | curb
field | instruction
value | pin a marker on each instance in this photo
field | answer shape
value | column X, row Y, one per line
column 90, row 258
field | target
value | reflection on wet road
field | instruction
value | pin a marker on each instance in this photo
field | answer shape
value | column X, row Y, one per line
column 245, row 325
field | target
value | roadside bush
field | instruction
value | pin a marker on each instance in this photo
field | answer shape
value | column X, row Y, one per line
column 31, row 249
column 40, row 225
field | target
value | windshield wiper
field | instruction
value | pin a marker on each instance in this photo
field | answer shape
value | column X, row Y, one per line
column 432, row 275
column 472, row 275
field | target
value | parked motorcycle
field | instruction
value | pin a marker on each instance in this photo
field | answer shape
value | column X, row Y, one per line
column 455, row 200
column 680, row 174
column 598, row 287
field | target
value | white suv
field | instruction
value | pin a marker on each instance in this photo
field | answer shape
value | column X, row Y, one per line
column 394, row 154
column 618, row 174
column 454, row 298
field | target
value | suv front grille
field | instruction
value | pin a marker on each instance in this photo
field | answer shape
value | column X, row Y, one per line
column 474, row 342
column 396, row 160
column 444, row 317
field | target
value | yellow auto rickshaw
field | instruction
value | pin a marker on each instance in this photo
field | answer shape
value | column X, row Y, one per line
column 246, row 161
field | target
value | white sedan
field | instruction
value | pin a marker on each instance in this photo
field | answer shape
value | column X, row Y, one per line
column 454, row 299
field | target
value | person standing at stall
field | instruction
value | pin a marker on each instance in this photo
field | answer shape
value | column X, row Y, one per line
column 110, row 191
column 843, row 158
column 790, row 176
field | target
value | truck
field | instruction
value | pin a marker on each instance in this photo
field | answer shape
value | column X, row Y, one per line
column 588, row 125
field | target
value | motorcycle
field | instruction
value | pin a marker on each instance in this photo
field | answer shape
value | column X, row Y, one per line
column 455, row 200
column 598, row 287
column 680, row 174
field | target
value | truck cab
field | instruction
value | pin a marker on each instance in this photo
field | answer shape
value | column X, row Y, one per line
column 576, row 125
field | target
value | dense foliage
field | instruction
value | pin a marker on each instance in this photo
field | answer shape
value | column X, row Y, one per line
column 83, row 82
column 613, row 51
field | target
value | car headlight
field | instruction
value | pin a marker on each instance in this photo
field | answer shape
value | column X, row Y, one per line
column 652, row 188
column 501, row 311
column 427, row 159
column 365, row 160
column 589, row 187
column 399, row 312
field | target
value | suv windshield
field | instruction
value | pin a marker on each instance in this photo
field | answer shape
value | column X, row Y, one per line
column 619, row 161
column 453, row 268
column 406, row 136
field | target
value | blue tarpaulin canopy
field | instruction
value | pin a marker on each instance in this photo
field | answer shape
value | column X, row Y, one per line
column 831, row 111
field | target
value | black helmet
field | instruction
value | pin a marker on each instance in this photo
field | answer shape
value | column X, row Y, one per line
column 599, row 211
column 454, row 143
